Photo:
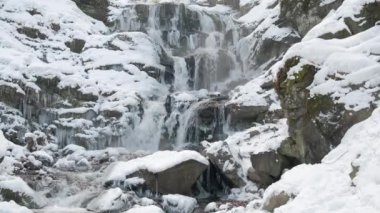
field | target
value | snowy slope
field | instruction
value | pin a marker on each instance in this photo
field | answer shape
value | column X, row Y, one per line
column 345, row 181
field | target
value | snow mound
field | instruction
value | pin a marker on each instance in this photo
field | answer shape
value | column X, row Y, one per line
column 145, row 209
column 12, row 207
column 156, row 162
column 346, row 181
column 179, row 203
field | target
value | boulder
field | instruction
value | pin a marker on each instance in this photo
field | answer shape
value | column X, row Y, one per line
column 226, row 166
column 268, row 167
column 165, row 172
column 14, row 188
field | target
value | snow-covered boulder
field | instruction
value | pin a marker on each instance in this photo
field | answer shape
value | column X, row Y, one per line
column 145, row 209
column 174, row 203
column 111, row 200
column 164, row 172
column 233, row 156
column 14, row 188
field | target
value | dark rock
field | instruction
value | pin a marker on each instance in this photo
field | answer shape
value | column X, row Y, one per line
column 242, row 117
column 268, row 167
column 97, row 9
column 31, row 33
column 176, row 180
column 315, row 123
column 76, row 45
column 367, row 18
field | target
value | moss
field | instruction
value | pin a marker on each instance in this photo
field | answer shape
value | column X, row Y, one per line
column 318, row 104
column 18, row 197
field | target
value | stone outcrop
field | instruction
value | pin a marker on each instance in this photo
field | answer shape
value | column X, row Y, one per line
column 305, row 14
column 97, row 9
column 311, row 135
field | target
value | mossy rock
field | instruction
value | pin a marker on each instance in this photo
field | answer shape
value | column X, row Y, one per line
column 18, row 197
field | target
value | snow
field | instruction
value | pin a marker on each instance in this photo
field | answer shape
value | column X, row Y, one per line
column 12, row 207
column 328, row 187
column 179, row 203
column 156, row 162
column 112, row 199
column 252, row 94
column 3, row 144
column 145, row 209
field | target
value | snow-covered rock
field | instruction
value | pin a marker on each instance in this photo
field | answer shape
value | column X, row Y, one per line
column 111, row 200
column 174, row 203
column 14, row 188
column 164, row 171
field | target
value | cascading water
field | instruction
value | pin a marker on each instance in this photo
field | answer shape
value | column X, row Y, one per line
column 202, row 44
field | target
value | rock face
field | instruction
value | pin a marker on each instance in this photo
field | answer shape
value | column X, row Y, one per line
column 311, row 134
column 303, row 15
column 268, row 167
column 97, row 9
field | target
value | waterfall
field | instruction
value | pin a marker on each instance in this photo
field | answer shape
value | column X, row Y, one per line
column 202, row 44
